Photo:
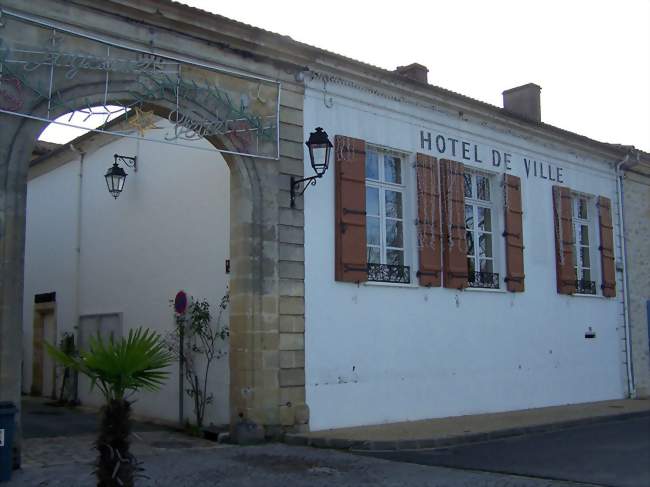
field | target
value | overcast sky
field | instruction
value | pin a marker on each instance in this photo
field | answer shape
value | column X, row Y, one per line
column 591, row 58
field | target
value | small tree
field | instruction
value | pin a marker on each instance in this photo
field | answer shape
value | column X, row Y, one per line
column 68, row 391
column 196, row 342
column 119, row 368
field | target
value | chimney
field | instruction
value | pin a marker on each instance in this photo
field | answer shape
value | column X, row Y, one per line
column 414, row 71
column 524, row 101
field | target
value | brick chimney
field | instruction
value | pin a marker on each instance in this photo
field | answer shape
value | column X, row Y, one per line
column 524, row 101
column 414, row 71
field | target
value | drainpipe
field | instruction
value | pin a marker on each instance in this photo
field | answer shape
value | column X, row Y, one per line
column 626, row 303
column 82, row 156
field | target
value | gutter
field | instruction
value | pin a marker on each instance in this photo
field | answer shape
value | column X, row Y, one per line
column 631, row 389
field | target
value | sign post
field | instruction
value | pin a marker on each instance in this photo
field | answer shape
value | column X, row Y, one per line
column 180, row 308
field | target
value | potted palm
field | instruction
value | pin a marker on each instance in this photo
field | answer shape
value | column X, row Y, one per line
column 118, row 368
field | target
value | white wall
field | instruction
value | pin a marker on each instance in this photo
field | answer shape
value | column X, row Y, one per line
column 381, row 353
column 167, row 231
column 51, row 231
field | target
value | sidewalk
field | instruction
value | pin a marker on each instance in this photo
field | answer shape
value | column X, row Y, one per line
column 434, row 433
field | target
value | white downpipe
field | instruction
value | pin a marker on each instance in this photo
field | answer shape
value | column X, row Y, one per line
column 82, row 156
column 626, row 303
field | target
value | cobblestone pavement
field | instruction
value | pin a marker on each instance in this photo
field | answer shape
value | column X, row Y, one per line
column 278, row 465
column 47, row 452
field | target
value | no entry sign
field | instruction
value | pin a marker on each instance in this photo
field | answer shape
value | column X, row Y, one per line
column 180, row 302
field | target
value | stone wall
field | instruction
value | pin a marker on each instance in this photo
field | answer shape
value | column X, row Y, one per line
column 637, row 238
column 267, row 255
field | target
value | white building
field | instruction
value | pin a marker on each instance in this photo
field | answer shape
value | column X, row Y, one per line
column 441, row 340
column 116, row 263
column 458, row 258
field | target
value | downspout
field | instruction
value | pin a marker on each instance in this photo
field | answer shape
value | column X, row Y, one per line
column 77, row 307
column 626, row 303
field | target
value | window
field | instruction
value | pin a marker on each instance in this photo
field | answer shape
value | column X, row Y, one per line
column 480, row 228
column 582, row 210
column 107, row 326
column 385, row 205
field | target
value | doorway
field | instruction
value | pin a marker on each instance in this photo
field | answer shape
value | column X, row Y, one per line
column 43, row 367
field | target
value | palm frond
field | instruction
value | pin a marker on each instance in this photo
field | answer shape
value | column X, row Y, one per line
column 119, row 366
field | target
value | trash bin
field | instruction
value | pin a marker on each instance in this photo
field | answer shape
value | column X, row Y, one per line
column 7, row 428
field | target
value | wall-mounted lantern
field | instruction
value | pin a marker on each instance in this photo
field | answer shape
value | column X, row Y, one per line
column 319, row 146
column 116, row 176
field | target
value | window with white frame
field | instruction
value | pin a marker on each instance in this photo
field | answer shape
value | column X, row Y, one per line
column 385, row 213
column 582, row 207
column 480, row 227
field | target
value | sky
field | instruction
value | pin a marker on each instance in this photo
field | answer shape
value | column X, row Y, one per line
column 591, row 58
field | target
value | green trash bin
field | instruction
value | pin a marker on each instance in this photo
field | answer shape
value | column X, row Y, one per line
column 7, row 428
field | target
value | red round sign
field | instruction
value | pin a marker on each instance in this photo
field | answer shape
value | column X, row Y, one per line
column 180, row 303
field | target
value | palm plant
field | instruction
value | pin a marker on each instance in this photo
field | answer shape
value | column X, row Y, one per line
column 119, row 368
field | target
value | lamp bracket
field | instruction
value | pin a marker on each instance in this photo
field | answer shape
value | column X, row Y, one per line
column 310, row 181
column 128, row 161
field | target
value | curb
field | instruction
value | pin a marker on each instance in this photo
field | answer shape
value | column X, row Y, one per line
column 397, row 445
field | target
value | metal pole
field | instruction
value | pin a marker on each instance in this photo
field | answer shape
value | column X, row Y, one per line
column 181, row 358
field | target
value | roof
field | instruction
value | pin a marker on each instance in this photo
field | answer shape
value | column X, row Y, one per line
column 394, row 75
column 240, row 36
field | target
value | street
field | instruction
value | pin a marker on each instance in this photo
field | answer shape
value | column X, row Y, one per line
column 278, row 465
column 613, row 454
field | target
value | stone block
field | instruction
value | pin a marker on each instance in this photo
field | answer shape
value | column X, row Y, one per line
column 292, row 395
column 292, row 287
column 290, row 99
column 291, row 116
column 301, row 414
column 291, row 166
column 291, row 270
column 267, row 396
column 284, row 200
column 290, row 359
column 292, row 324
column 292, row 377
column 292, row 216
column 290, row 252
column 291, row 132
column 270, row 359
column 292, row 341
column 292, row 305
column 287, row 416
column 291, row 235
column 292, row 149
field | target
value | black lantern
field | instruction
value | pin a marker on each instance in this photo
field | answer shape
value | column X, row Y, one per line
column 319, row 151
column 116, row 176
column 319, row 146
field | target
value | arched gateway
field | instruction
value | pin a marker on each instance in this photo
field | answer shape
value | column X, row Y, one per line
column 211, row 77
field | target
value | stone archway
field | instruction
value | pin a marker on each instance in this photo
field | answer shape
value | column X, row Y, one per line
column 267, row 297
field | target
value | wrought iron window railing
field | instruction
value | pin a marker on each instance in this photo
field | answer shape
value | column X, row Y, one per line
column 389, row 273
column 487, row 280
column 585, row 287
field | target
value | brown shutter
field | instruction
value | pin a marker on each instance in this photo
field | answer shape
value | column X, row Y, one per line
column 562, row 212
column 607, row 247
column 454, row 247
column 514, row 234
column 428, row 223
column 350, row 246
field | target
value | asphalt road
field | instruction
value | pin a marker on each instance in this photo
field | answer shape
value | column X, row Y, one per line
column 613, row 454
column 277, row 465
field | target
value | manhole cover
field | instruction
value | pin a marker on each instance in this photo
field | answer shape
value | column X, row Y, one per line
column 171, row 444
